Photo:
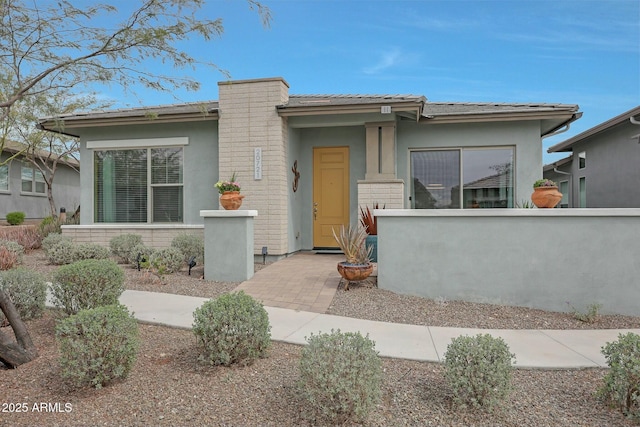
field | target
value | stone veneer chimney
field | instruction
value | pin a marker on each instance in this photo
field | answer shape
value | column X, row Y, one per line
column 249, row 120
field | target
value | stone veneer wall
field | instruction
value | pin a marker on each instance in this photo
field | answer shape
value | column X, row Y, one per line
column 249, row 120
column 388, row 193
column 153, row 235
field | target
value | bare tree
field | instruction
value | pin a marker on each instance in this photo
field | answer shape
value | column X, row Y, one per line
column 44, row 150
column 54, row 45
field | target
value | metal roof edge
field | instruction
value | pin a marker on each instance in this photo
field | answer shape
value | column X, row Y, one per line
column 621, row 118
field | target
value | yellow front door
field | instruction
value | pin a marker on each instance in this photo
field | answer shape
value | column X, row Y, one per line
column 330, row 193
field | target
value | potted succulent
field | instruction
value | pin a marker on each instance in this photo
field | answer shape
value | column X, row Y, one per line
column 370, row 224
column 230, row 198
column 357, row 266
column 545, row 193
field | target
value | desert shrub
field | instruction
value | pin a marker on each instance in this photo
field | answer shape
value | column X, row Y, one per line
column 621, row 386
column 87, row 284
column 8, row 259
column 478, row 369
column 52, row 239
column 166, row 261
column 97, row 346
column 48, row 225
column 14, row 248
column 61, row 252
column 28, row 236
column 142, row 251
column 588, row 316
column 121, row 246
column 190, row 245
column 233, row 328
column 15, row 218
column 27, row 290
column 340, row 377
column 90, row 251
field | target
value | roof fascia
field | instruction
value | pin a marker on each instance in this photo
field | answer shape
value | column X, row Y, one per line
column 314, row 110
column 567, row 145
column 52, row 125
column 498, row 116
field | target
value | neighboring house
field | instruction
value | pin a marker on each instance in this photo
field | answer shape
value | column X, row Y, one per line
column 602, row 170
column 156, row 167
column 23, row 188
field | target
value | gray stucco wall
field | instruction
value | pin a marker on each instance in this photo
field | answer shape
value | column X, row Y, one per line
column 200, row 163
column 349, row 136
column 611, row 172
column 66, row 193
column 514, row 256
column 523, row 135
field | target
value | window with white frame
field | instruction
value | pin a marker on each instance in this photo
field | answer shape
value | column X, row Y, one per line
column 32, row 181
column 462, row 178
column 4, row 177
column 139, row 185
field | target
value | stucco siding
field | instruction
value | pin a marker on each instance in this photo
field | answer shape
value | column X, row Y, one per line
column 523, row 135
column 611, row 170
column 200, row 169
column 66, row 192
column 514, row 256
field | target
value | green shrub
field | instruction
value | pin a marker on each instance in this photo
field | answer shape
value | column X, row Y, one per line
column 87, row 284
column 166, row 261
column 622, row 383
column 90, row 251
column 15, row 218
column 121, row 246
column 589, row 316
column 27, row 290
column 62, row 252
column 234, row 328
column 190, row 245
column 52, row 239
column 48, row 225
column 97, row 346
column 14, row 248
column 142, row 251
column 340, row 377
column 478, row 369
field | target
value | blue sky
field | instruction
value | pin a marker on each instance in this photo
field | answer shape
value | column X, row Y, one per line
column 584, row 52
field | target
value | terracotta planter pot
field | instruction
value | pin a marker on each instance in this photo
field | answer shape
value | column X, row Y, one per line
column 231, row 200
column 546, row 197
column 354, row 272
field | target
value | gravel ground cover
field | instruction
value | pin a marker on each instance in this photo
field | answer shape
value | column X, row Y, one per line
column 169, row 387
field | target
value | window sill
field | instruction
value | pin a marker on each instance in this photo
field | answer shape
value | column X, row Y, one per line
column 33, row 194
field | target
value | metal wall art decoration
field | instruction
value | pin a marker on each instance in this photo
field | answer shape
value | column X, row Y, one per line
column 296, row 176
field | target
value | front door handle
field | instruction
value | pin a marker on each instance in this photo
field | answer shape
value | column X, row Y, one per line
column 315, row 211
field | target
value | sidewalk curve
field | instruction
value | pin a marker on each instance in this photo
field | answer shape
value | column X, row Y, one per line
column 550, row 349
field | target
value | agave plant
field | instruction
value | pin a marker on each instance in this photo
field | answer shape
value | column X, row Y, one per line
column 352, row 242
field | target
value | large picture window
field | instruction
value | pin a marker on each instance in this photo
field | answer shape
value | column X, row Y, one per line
column 141, row 185
column 462, row 178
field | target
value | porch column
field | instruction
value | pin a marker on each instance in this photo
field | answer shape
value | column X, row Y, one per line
column 381, row 184
column 381, row 150
column 228, row 245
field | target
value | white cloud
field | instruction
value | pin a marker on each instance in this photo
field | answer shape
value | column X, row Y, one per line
column 386, row 61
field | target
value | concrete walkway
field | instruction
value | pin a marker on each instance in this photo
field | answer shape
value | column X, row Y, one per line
column 296, row 291
column 533, row 348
